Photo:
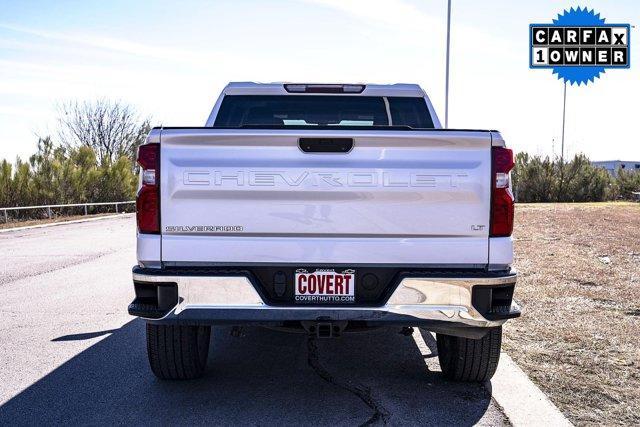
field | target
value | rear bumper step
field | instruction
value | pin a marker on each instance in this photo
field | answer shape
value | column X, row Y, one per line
column 440, row 300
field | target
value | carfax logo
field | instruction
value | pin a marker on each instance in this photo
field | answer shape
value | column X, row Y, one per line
column 578, row 46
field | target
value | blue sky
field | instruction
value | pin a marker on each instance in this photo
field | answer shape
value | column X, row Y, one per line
column 171, row 59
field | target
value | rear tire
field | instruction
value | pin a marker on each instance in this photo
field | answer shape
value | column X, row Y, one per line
column 469, row 360
column 178, row 352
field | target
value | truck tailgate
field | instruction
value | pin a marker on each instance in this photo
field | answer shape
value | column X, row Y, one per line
column 239, row 197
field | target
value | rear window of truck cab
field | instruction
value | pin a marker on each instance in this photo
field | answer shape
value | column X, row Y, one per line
column 318, row 111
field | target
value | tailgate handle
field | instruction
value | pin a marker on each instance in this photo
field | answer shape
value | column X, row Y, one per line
column 326, row 145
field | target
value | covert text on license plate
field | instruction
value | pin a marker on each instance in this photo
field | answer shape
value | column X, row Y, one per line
column 325, row 286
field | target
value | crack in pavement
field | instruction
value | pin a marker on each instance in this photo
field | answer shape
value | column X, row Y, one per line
column 380, row 414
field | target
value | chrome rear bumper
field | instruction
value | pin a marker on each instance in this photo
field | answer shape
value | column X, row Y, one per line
column 436, row 299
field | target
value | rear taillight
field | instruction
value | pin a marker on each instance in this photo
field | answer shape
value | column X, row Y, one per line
column 501, row 196
column 148, row 200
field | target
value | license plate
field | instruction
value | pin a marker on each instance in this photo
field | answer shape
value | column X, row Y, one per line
column 325, row 286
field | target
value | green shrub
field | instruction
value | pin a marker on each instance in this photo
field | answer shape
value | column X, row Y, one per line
column 543, row 179
column 627, row 182
column 56, row 175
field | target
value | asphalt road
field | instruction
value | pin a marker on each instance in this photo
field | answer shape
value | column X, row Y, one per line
column 70, row 353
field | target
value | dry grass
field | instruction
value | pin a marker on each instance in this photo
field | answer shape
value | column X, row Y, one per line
column 579, row 337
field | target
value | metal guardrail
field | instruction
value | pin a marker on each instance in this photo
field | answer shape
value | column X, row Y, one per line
column 69, row 205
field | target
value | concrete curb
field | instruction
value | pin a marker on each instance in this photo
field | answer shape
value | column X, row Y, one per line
column 520, row 399
column 75, row 221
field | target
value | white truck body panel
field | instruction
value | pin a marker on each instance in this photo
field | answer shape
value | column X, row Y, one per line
column 148, row 250
column 401, row 197
column 500, row 252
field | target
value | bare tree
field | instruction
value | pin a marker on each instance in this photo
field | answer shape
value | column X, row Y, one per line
column 113, row 129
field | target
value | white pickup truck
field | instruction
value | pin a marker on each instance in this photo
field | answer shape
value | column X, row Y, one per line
column 324, row 209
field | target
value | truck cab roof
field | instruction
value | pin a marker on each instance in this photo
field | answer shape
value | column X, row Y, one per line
column 397, row 90
column 279, row 88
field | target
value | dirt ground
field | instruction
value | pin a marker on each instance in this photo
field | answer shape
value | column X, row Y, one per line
column 579, row 284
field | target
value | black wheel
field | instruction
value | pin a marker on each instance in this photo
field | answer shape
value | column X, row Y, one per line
column 472, row 360
column 178, row 352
